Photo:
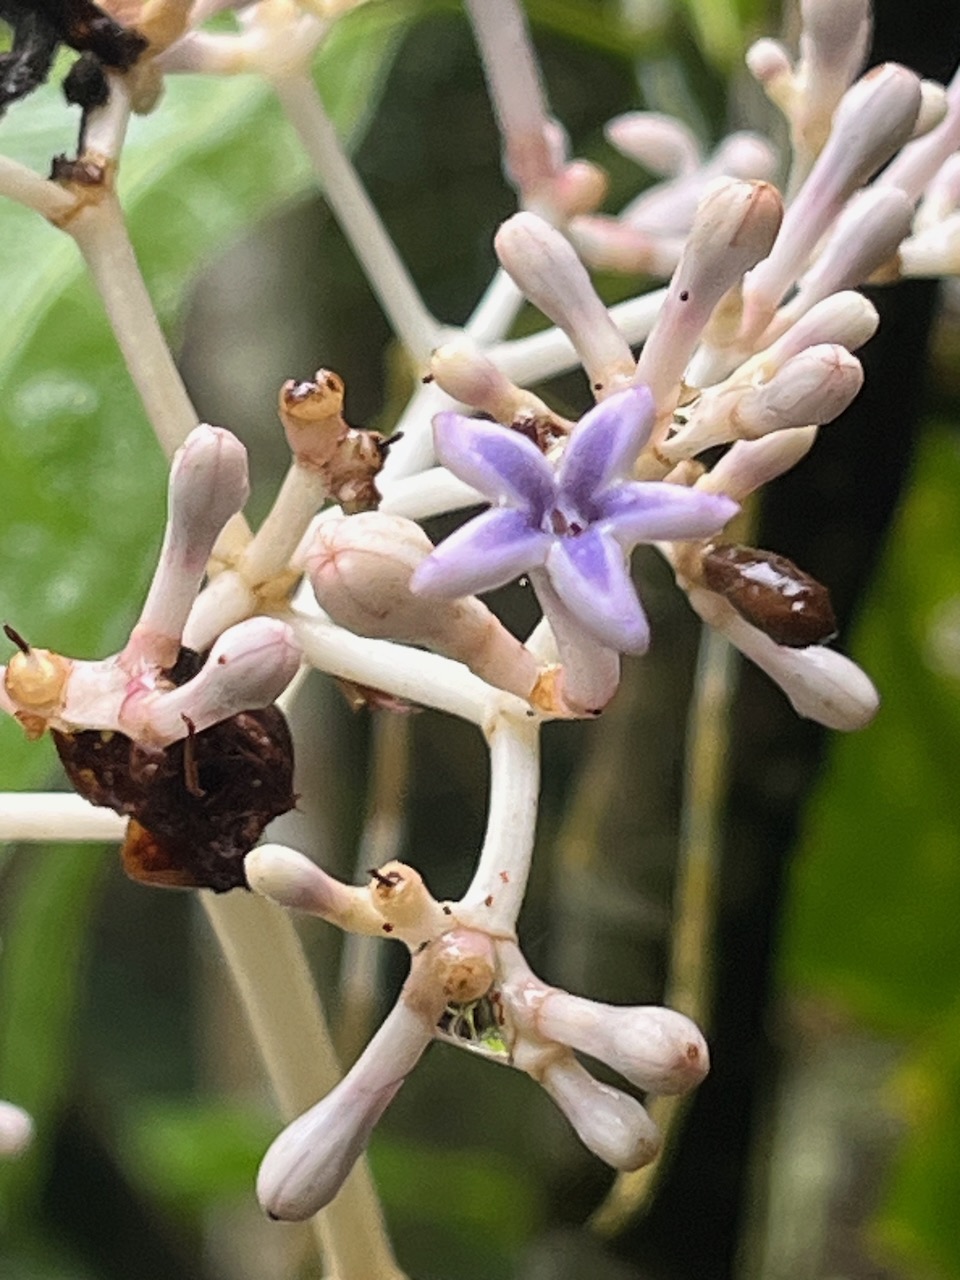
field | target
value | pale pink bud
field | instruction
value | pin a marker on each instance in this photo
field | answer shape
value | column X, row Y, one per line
column 734, row 227
column 578, row 188
column 833, row 45
column 16, row 1131
column 612, row 1125
column 846, row 318
column 750, row 464
column 294, row 881
column 610, row 244
column 249, row 666
column 820, row 683
column 918, row 162
column 360, row 568
column 770, row 65
column 811, row 388
column 546, row 268
column 661, row 143
column 208, row 485
column 461, row 369
column 866, row 236
column 934, row 105
column 875, row 117
column 656, row 1049
column 309, row 1162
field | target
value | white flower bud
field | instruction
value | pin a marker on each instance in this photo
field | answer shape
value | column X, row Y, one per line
column 294, row 881
column 875, row 117
column 16, row 1131
column 656, row 1049
column 734, row 227
column 866, row 236
column 309, row 1162
column 821, row 684
column 918, row 162
column 612, row 1125
column 811, row 388
column 833, row 45
column 846, row 318
column 934, row 105
column 208, row 485
column 770, row 65
column 934, row 252
column 546, row 267
column 661, row 143
column 461, row 369
column 750, row 464
column 611, row 244
column 249, row 666
column 360, row 567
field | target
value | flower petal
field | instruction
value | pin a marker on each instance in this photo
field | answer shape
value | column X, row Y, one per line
column 486, row 552
column 505, row 466
column 605, row 443
column 589, row 574
column 657, row 512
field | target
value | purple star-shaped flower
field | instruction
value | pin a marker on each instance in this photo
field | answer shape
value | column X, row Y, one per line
column 577, row 523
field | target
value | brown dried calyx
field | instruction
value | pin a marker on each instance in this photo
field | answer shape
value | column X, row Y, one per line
column 771, row 593
column 197, row 807
column 346, row 458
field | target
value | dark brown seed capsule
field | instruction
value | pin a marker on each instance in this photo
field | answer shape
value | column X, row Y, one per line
column 197, row 807
column 771, row 593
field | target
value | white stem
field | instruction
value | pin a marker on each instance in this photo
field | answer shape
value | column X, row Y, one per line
column 503, row 869
column 544, row 355
column 19, row 183
column 415, row 452
column 106, row 127
column 301, row 496
column 411, row 674
column 267, row 964
column 55, row 815
column 496, row 310
column 358, row 219
column 101, row 235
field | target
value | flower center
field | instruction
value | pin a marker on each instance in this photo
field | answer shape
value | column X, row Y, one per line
column 563, row 526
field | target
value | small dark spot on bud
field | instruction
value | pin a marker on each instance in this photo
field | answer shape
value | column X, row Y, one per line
column 684, row 295
column 598, row 386
column 505, row 877
column 772, row 594
column 427, row 379
column 447, row 911
column 274, row 1217
column 387, row 928
column 488, row 900
column 222, row 660
column 693, row 1051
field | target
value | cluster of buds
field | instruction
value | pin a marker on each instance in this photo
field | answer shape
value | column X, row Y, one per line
column 470, row 986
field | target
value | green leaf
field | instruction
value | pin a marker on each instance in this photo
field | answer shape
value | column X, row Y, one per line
column 876, row 887
column 82, row 487
column 191, row 1153
column 45, row 937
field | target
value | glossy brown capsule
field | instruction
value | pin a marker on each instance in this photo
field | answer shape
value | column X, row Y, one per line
column 771, row 593
column 197, row 807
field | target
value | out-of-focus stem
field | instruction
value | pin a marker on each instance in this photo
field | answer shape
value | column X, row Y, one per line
column 688, row 983
column 101, row 235
column 380, row 843
column 55, row 815
column 267, row 964
column 499, row 883
column 358, row 219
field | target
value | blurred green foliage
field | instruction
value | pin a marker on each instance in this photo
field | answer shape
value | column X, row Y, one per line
column 876, row 887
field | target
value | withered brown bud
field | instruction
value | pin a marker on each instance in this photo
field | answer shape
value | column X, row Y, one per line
column 197, row 807
column 771, row 593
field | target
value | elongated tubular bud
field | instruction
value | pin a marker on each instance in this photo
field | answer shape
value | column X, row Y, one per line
column 610, row 244
column 296, row 882
column 308, row 1163
column 919, row 161
column 811, row 388
column 208, row 484
column 833, row 45
column 612, row 1125
column 734, row 227
column 546, row 268
column 847, row 318
column 461, row 369
column 661, row 143
column 771, row 66
column 866, row 236
column 360, row 568
column 934, row 252
column 750, row 464
column 249, row 666
column 655, row 1049
column 821, row 684
column 875, row 117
